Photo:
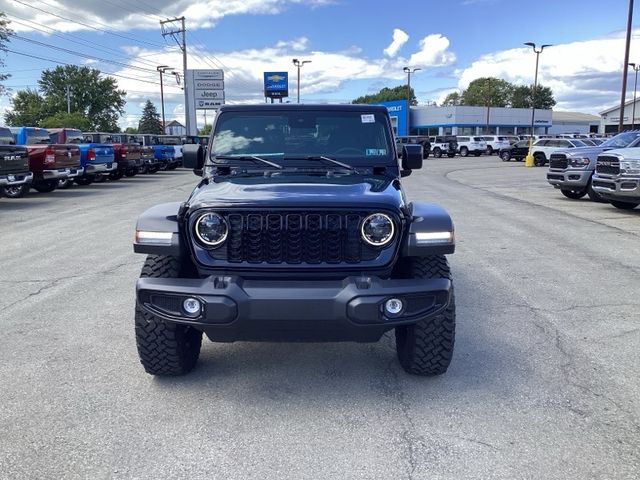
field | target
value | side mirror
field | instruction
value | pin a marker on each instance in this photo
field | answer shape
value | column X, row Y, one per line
column 411, row 157
column 193, row 157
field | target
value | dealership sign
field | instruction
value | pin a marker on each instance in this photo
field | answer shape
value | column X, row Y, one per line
column 205, row 89
column 276, row 84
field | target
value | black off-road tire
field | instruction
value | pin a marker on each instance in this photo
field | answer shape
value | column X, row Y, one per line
column 45, row 186
column 117, row 175
column 65, row 184
column 437, row 152
column 84, row 180
column 477, row 153
column 15, row 191
column 539, row 159
column 624, row 205
column 426, row 347
column 165, row 348
column 489, row 150
column 593, row 195
column 573, row 194
column 464, row 151
column 505, row 156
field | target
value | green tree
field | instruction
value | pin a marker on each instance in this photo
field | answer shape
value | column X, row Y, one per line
column 131, row 130
column 91, row 96
column 488, row 92
column 5, row 33
column 521, row 97
column 29, row 108
column 150, row 120
column 67, row 120
column 388, row 94
column 454, row 98
column 206, row 130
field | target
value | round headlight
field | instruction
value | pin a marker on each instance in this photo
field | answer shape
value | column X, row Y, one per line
column 211, row 229
column 377, row 229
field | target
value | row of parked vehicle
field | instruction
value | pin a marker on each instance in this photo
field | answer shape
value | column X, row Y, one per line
column 609, row 172
column 46, row 159
column 506, row 146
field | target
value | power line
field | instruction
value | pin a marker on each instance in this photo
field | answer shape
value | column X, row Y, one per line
column 86, row 24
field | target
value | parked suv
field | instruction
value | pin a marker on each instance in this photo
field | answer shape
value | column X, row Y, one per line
column 496, row 142
column 542, row 149
column 444, row 145
column 416, row 140
column 571, row 170
column 475, row 145
column 617, row 177
column 298, row 229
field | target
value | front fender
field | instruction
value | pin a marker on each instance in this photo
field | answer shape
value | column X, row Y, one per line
column 158, row 231
column 430, row 231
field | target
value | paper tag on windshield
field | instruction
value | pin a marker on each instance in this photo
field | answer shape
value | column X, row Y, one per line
column 368, row 118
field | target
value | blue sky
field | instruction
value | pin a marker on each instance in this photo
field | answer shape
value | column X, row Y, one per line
column 348, row 41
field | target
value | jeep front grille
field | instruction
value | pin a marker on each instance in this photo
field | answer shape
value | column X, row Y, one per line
column 608, row 165
column 558, row 161
column 295, row 238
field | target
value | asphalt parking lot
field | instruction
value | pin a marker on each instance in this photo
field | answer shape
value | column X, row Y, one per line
column 543, row 384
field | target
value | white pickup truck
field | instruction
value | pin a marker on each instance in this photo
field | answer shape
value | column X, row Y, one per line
column 543, row 148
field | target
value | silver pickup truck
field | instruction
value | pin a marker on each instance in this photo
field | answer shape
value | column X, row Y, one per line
column 617, row 177
column 571, row 170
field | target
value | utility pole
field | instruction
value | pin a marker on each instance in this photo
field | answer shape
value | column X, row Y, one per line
column 170, row 29
column 529, row 160
column 626, row 66
column 409, row 71
column 298, row 64
column 635, row 87
column 163, row 69
column 68, row 99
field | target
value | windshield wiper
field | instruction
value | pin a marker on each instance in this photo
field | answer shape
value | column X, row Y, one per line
column 248, row 157
column 320, row 157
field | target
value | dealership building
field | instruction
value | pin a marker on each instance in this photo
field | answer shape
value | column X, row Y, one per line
column 464, row 120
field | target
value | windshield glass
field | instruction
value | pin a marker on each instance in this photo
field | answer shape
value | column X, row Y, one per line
column 74, row 136
column 6, row 137
column 170, row 140
column 622, row 140
column 351, row 135
column 37, row 135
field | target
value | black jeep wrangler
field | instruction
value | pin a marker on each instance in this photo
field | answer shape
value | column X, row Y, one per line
column 299, row 230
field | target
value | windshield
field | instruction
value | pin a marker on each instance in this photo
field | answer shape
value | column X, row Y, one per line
column 622, row 140
column 6, row 137
column 350, row 135
column 37, row 136
column 170, row 140
column 74, row 136
column 578, row 143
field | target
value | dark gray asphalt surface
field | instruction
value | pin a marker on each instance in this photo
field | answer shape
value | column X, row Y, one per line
column 544, row 382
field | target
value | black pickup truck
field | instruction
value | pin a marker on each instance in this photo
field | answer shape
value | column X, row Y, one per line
column 14, row 165
column 298, row 230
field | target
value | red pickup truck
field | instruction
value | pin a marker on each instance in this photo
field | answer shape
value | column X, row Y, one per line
column 48, row 162
column 127, row 152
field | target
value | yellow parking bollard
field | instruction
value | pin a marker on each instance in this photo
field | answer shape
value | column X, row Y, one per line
column 528, row 160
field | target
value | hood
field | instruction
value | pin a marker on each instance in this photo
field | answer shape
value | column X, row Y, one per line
column 585, row 151
column 292, row 191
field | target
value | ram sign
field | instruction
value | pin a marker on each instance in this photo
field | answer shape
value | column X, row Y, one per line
column 276, row 84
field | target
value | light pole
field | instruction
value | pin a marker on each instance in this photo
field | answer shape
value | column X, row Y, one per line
column 529, row 160
column 299, row 64
column 635, row 86
column 409, row 71
column 163, row 69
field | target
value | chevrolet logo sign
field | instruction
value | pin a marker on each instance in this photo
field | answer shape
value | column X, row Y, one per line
column 275, row 78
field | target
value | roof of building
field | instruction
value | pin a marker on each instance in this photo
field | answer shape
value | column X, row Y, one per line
column 617, row 107
column 558, row 116
column 173, row 123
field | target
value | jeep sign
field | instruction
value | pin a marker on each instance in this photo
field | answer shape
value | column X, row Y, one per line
column 204, row 91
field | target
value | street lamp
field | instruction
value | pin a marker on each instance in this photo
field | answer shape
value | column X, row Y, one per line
column 529, row 159
column 409, row 71
column 635, row 86
column 163, row 69
column 299, row 64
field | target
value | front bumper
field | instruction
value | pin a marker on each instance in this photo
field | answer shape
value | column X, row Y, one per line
column 234, row 308
column 16, row 179
column 127, row 164
column 621, row 188
column 569, row 178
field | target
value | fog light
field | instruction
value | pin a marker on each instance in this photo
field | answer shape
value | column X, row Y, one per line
column 393, row 306
column 191, row 306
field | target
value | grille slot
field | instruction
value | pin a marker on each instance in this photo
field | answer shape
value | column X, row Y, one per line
column 295, row 238
column 608, row 165
column 558, row 160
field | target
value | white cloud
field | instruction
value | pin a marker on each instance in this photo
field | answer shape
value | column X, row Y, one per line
column 583, row 75
column 434, row 51
column 201, row 13
column 399, row 39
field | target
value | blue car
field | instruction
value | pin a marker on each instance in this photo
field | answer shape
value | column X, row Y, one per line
column 164, row 153
column 96, row 158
